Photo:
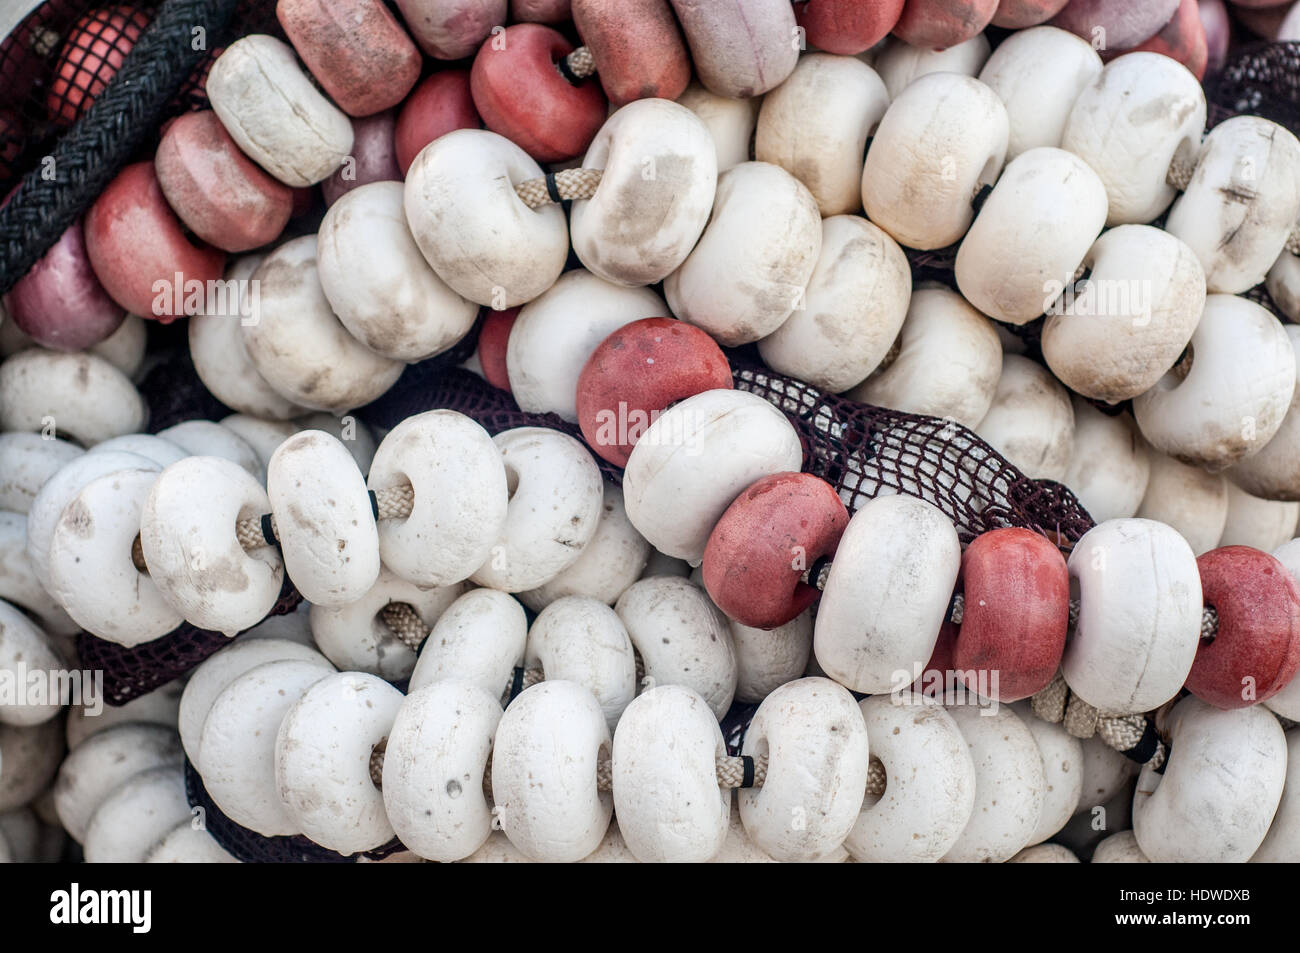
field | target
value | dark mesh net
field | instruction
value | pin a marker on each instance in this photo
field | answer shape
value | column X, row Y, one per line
column 251, row 848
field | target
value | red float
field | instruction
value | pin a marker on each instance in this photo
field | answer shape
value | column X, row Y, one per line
column 493, row 339
column 768, row 537
column 1016, row 591
column 224, row 197
column 637, row 47
column 355, row 48
column 140, row 253
column 939, row 24
column 1256, row 650
column 91, row 56
column 635, row 373
column 521, row 94
column 847, row 27
column 440, row 104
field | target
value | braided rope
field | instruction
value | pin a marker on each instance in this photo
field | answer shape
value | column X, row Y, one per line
column 1180, row 174
column 581, row 63
column 1056, row 704
column 118, row 123
column 568, row 183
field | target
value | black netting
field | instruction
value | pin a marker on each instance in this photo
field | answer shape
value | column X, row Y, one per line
column 252, row 848
column 859, row 449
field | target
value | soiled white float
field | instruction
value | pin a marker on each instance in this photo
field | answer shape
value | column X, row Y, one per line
column 768, row 658
column 157, row 448
column 942, row 139
column 299, row 345
column 187, row 532
column 548, row 744
column 556, row 332
column 355, row 637
column 730, row 122
column 1114, row 336
column 378, row 282
column 218, row 670
column 1039, row 73
column 262, row 434
column 1139, row 615
column 29, row 758
column 1283, row 284
column 104, row 761
column 851, row 311
column 220, row 358
column 274, row 113
column 696, row 458
column 1241, row 203
column 750, row 268
column 1282, row 843
column 816, row 744
column 1045, row 854
column 929, row 783
column 323, row 519
column 1287, row 702
column 1220, row 790
column 18, row 582
column 1009, row 785
column 1121, row 848
column 577, row 639
column 434, row 763
column 294, row 626
column 948, row 362
column 206, row 438
column 1031, row 420
column 91, row 571
column 1109, row 462
column 901, row 64
column 136, row 815
column 610, row 562
column 1062, row 756
column 887, row 593
column 670, row 808
column 86, row 398
column 125, row 347
column 237, row 747
column 459, row 510
column 682, row 637
column 60, row 489
column 354, row 434
column 473, row 229
column 1232, row 401
column 322, row 760
column 1258, row 523
column 479, row 638
column 1105, row 773
column 186, row 844
column 1190, row 499
column 1273, row 472
column 815, row 126
column 1032, row 233
column 27, row 460
column 553, row 511
column 22, row 642
column 159, row 707
column 655, row 194
column 1141, row 112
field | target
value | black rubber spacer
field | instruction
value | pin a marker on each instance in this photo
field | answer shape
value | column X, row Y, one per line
column 374, row 503
column 552, row 189
column 1145, row 749
column 747, row 780
column 562, row 64
column 517, row 683
column 977, row 202
column 268, row 531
